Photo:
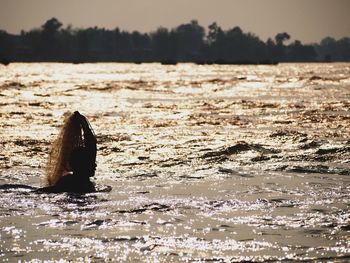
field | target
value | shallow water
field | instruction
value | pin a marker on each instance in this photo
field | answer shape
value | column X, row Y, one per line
column 207, row 163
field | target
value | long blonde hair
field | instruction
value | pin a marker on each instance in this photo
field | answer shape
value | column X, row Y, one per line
column 68, row 139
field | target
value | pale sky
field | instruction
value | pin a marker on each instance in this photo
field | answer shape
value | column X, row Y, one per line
column 305, row 20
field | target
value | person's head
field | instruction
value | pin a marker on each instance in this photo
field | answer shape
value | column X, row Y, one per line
column 81, row 162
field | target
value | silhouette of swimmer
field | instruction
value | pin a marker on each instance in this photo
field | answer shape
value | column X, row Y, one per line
column 80, row 165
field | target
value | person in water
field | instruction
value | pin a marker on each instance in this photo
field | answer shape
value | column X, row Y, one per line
column 72, row 160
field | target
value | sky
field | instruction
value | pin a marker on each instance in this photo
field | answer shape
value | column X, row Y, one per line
column 305, row 20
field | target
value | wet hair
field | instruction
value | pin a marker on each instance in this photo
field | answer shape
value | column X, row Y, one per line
column 70, row 138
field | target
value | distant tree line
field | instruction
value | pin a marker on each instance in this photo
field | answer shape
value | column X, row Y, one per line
column 186, row 43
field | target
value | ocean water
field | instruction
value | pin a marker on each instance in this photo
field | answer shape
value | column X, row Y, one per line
column 206, row 163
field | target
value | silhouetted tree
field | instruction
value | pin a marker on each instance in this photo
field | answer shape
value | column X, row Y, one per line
column 271, row 52
column 297, row 52
column 215, row 32
column 49, row 38
column 280, row 50
column 186, row 42
column 6, row 47
column 281, row 37
column 215, row 40
column 163, row 44
column 141, row 44
column 189, row 40
column 343, row 47
column 330, row 49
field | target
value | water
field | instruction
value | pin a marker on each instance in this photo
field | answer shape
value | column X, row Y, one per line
column 207, row 163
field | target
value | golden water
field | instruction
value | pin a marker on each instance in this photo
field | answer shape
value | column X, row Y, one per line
column 207, row 163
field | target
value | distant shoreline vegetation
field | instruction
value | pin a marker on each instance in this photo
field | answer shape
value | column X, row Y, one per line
column 186, row 43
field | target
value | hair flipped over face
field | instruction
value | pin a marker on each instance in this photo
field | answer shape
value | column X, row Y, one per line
column 69, row 138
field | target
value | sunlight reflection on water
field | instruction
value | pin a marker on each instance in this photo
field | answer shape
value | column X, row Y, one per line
column 207, row 163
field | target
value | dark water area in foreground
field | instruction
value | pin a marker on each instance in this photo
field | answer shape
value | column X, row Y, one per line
column 207, row 163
